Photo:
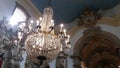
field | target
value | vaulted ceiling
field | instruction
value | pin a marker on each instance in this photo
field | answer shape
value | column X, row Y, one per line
column 68, row 10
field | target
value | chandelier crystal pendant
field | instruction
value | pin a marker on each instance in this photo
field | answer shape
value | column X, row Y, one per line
column 42, row 44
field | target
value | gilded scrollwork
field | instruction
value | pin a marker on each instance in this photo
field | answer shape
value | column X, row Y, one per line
column 88, row 18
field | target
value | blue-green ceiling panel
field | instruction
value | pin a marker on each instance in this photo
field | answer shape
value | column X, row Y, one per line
column 68, row 10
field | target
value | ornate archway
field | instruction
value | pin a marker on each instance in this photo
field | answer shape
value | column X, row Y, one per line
column 97, row 48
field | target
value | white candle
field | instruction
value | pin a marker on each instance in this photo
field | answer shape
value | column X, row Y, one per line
column 68, row 37
column 64, row 31
column 31, row 21
column 52, row 21
column 61, row 27
column 37, row 22
column 21, row 26
column 19, row 35
column 40, row 18
column 66, row 42
column 30, row 27
column 15, row 42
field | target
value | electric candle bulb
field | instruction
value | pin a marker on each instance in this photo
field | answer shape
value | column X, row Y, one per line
column 19, row 35
column 31, row 21
column 33, row 46
column 15, row 41
column 52, row 21
column 30, row 27
column 61, row 25
column 40, row 18
column 68, row 36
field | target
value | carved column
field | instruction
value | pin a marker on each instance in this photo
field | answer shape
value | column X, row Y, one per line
column 61, row 61
column 76, row 61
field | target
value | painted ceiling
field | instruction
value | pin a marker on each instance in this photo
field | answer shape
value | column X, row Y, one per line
column 68, row 10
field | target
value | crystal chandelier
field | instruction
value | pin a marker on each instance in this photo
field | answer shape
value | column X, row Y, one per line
column 42, row 44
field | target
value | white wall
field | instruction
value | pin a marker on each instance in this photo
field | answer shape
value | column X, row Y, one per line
column 6, row 8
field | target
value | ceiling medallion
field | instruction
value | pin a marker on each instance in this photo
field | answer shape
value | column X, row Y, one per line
column 89, row 19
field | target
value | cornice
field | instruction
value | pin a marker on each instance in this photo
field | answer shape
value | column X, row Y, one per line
column 113, row 21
